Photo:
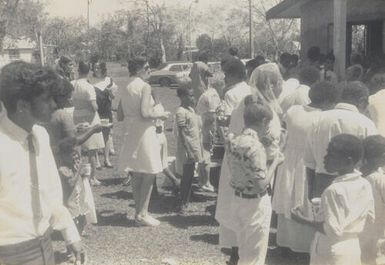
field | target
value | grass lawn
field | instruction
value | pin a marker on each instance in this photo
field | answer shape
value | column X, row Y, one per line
column 189, row 239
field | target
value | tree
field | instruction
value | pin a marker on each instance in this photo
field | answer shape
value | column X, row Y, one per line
column 7, row 14
column 67, row 35
column 229, row 26
column 204, row 42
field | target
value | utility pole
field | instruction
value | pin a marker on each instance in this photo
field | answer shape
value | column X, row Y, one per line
column 41, row 48
column 148, row 26
column 189, row 29
column 251, row 41
column 88, row 14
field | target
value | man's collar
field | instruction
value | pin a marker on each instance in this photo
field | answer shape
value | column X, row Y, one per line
column 347, row 177
column 346, row 106
column 15, row 131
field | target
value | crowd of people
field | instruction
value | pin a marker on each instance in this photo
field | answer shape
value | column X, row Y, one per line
column 301, row 146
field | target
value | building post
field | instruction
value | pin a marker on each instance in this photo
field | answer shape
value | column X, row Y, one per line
column 339, row 39
column 251, row 42
column 41, row 49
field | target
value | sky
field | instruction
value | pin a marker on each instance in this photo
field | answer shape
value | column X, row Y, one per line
column 102, row 8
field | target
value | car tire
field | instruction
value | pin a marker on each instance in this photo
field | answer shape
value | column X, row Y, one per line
column 166, row 82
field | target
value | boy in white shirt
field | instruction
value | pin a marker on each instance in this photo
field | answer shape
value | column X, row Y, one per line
column 346, row 205
column 373, row 238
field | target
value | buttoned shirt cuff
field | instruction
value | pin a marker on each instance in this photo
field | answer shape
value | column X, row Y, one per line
column 70, row 234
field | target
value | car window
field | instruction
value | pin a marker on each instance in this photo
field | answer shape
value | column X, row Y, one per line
column 186, row 67
column 176, row 68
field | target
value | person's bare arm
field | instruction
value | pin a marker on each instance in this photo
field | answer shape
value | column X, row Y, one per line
column 119, row 112
column 297, row 216
column 310, row 174
column 146, row 106
column 72, row 139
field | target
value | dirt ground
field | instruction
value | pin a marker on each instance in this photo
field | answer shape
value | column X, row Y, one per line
column 184, row 240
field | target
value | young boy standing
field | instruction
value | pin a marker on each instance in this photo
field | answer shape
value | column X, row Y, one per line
column 206, row 107
column 346, row 205
column 189, row 143
column 250, row 207
column 373, row 236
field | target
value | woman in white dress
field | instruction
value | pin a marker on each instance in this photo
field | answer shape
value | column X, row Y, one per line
column 290, row 189
column 141, row 151
column 85, row 111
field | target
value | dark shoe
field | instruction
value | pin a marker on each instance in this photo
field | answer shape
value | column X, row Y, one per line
column 108, row 165
column 182, row 209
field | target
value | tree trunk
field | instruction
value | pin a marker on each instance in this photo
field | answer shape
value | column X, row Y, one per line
column 162, row 48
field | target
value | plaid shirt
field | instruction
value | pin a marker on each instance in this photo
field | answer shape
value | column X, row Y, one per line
column 246, row 160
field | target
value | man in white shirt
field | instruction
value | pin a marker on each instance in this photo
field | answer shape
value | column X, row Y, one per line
column 376, row 106
column 344, row 118
column 199, row 74
column 30, row 188
column 237, row 88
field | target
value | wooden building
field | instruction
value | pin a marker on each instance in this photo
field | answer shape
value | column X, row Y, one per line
column 17, row 49
column 341, row 26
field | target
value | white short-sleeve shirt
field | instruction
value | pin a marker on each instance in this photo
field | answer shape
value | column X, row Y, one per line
column 344, row 118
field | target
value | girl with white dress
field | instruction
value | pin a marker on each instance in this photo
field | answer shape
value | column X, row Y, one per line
column 85, row 111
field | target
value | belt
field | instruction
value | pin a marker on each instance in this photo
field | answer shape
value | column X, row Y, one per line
column 250, row 196
column 26, row 245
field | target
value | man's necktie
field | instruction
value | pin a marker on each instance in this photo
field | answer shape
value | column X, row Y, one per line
column 35, row 197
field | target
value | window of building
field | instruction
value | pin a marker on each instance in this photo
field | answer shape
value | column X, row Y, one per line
column 14, row 55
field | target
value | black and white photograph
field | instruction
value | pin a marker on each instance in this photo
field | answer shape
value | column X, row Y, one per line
column 192, row 132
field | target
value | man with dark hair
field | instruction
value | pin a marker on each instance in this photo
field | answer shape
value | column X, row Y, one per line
column 236, row 87
column 313, row 56
column 254, row 63
column 199, row 74
column 327, row 68
column 344, row 118
column 31, row 201
column 65, row 68
column 284, row 64
column 233, row 51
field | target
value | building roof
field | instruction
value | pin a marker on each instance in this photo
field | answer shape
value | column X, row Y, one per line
column 20, row 43
column 286, row 9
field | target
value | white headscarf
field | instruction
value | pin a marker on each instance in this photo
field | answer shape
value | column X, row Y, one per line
column 266, row 82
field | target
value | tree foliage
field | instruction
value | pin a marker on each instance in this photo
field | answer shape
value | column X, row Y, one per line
column 151, row 28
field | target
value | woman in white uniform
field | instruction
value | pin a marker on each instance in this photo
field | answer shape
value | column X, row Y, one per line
column 290, row 189
column 141, row 151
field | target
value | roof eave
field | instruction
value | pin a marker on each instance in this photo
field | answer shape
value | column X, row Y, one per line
column 285, row 9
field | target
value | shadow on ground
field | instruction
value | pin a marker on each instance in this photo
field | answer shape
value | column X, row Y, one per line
column 119, row 195
column 112, row 181
column 186, row 221
column 207, row 238
column 110, row 218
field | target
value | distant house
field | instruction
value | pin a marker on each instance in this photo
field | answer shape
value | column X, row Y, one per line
column 17, row 49
column 341, row 26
